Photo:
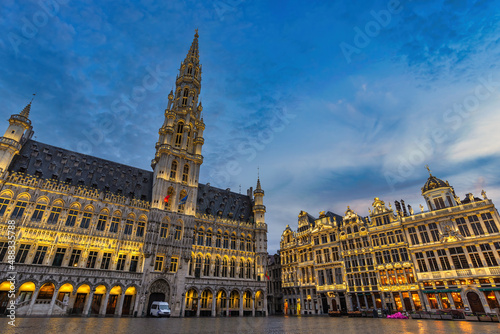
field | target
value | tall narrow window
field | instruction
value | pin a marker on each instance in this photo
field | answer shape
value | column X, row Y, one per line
column 200, row 237
column 434, row 232
column 206, row 266
column 226, row 240
column 4, row 202
column 431, row 258
column 463, row 227
column 19, row 209
column 173, row 170
column 71, row 219
column 439, row 203
column 421, row 262
column 133, row 263
column 173, row 264
column 208, row 239
column 178, row 231
column 413, row 236
column 115, row 222
column 106, row 259
column 488, row 255
column 218, row 239
column 75, row 257
column 224, row 267
column 443, row 259
column 121, row 262
column 178, row 135
column 164, row 230
column 232, row 268
column 101, row 222
column 217, row 267
column 91, row 259
column 491, row 227
column 422, row 229
column 22, row 253
column 185, row 173
column 190, row 69
column 129, row 226
column 474, row 256
column 476, row 225
column 59, row 257
column 141, row 225
column 40, row 255
column 39, row 211
column 185, row 97
column 86, row 218
column 159, row 263
column 54, row 214
column 233, row 241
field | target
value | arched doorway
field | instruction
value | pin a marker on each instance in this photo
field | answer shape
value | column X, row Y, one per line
column 128, row 305
column 159, row 291
column 114, row 294
column 46, row 291
column 206, row 303
column 475, row 303
column 221, row 303
column 81, row 296
column 191, row 303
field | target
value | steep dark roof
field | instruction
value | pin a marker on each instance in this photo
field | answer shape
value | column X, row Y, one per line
column 334, row 215
column 215, row 201
column 433, row 183
column 50, row 162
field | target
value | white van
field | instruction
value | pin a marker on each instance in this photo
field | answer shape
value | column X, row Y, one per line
column 160, row 309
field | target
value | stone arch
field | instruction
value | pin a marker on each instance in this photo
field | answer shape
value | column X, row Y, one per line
column 43, row 200
column 159, row 290
column 7, row 194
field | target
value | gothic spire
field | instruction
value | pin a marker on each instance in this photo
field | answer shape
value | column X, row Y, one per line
column 26, row 111
column 193, row 54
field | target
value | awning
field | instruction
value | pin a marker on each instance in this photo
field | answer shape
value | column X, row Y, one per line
column 490, row 289
column 442, row 290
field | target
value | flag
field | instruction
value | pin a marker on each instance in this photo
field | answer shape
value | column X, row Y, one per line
column 183, row 201
column 166, row 198
column 267, row 276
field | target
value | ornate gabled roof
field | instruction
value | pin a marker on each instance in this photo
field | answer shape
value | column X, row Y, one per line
column 224, row 203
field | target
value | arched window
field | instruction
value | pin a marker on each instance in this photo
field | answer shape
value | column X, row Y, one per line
column 218, row 239
column 185, row 97
column 190, row 69
column 178, row 232
column 141, row 225
column 129, row 225
column 86, row 218
column 200, row 237
column 70, row 220
column 233, row 241
column 224, row 267
column 248, row 300
column 217, row 267
column 101, row 222
column 226, row 240
column 249, row 243
column 196, row 73
column 185, row 173
column 21, row 204
column 356, row 228
column 40, row 210
column 178, row 135
column 232, row 268
column 115, row 222
column 242, row 269
column 234, row 300
column 55, row 213
column 173, row 170
column 208, row 240
column 170, row 197
column 197, row 268
column 242, row 242
column 206, row 267
column 348, row 231
column 4, row 202
column 164, row 229
column 249, row 269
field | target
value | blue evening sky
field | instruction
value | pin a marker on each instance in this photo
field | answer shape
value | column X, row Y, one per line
column 338, row 102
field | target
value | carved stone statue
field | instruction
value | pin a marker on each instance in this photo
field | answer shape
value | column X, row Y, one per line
column 421, row 208
column 483, row 193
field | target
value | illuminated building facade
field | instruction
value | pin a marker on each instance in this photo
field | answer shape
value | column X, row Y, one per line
column 95, row 237
column 445, row 257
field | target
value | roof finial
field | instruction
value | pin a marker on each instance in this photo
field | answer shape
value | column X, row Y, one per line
column 196, row 34
column 258, row 172
column 428, row 169
column 26, row 111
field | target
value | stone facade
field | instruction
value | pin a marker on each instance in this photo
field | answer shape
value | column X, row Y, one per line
column 95, row 237
column 445, row 257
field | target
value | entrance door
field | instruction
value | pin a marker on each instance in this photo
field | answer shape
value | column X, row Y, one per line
column 324, row 301
column 475, row 302
column 79, row 303
column 343, row 304
column 334, row 304
column 155, row 297
column 127, row 302
column 96, row 304
column 111, row 307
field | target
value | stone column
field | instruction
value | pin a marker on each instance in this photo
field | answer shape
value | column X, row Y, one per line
column 214, row 302
column 52, row 302
column 402, row 301
column 183, row 305
column 373, row 300
column 411, row 301
column 88, row 303
column 33, row 299
column 119, row 309
column 452, row 302
column 265, row 306
column 198, row 308
column 228, row 301
column 104, row 304
column 241, row 306
column 425, row 302
column 253, row 306
column 366, row 301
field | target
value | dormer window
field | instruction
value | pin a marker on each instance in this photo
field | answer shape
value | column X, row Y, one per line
column 439, row 203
